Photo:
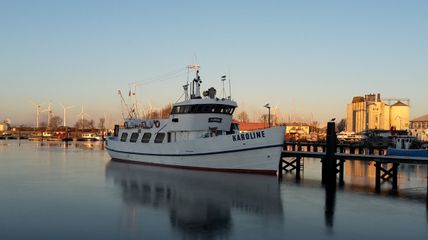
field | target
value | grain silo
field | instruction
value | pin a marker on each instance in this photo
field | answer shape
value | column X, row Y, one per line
column 400, row 116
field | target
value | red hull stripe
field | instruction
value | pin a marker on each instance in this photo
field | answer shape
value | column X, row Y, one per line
column 251, row 171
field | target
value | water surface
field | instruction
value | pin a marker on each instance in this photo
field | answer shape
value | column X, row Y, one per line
column 74, row 191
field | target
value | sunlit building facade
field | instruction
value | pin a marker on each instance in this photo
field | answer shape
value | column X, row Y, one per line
column 370, row 112
column 419, row 128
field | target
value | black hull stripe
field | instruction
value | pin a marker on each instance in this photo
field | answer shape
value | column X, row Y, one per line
column 232, row 170
column 195, row 154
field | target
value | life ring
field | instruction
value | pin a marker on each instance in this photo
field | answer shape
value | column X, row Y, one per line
column 157, row 123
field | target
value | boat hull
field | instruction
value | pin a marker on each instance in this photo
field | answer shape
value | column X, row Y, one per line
column 407, row 152
column 244, row 152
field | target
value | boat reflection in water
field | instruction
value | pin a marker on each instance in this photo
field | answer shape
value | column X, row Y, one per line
column 199, row 203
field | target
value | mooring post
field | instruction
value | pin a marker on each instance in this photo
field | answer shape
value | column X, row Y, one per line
column 330, row 158
column 341, row 149
column 377, row 177
column 341, row 172
column 298, row 168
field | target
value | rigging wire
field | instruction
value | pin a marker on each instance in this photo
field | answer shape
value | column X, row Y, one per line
column 164, row 77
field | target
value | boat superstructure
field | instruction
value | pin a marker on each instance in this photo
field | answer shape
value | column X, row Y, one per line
column 199, row 133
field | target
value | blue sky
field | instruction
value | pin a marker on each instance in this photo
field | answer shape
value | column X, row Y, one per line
column 308, row 58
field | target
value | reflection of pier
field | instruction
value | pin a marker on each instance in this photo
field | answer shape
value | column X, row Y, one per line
column 199, row 203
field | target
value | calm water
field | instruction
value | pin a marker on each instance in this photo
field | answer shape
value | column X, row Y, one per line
column 54, row 191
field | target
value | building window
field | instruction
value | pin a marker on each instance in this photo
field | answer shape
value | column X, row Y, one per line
column 146, row 137
column 134, row 137
column 159, row 137
column 124, row 137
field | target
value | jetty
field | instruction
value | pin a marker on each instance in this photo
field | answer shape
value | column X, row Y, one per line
column 333, row 157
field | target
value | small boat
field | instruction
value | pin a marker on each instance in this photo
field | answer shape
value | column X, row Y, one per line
column 88, row 137
column 350, row 137
column 404, row 145
column 36, row 137
column 198, row 134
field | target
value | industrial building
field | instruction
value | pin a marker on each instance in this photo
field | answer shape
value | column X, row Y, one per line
column 4, row 126
column 371, row 113
column 419, row 128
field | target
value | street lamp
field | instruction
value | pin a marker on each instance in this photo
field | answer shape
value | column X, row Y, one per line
column 268, row 107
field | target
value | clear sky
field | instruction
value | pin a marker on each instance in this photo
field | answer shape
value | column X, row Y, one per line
column 308, row 58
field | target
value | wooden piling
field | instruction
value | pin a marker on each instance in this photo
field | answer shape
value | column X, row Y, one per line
column 330, row 159
column 377, row 177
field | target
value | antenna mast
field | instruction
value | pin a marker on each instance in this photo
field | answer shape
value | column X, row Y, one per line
column 223, row 78
column 123, row 103
column 230, row 88
column 195, row 90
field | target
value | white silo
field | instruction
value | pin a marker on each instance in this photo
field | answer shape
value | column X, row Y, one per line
column 400, row 116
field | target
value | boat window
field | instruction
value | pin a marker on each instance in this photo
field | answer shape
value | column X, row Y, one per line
column 169, row 137
column 134, row 137
column 124, row 137
column 146, row 137
column 159, row 137
column 203, row 108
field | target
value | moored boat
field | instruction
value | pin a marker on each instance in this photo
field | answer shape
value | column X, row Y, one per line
column 406, row 146
column 88, row 137
column 198, row 134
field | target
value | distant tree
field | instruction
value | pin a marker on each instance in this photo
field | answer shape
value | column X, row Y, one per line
column 101, row 123
column 85, row 124
column 166, row 111
column 273, row 119
column 152, row 114
column 263, row 118
column 341, row 126
column 243, row 117
column 55, row 122
column 43, row 125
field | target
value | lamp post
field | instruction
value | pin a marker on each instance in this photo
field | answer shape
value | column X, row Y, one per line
column 268, row 107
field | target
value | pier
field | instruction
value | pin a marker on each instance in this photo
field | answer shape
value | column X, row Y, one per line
column 333, row 157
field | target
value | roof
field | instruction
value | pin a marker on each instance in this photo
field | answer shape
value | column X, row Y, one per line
column 399, row 103
column 296, row 124
column 249, row 126
column 423, row 118
column 358, row 99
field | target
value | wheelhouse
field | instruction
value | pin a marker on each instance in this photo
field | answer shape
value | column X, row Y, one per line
column 203, row 108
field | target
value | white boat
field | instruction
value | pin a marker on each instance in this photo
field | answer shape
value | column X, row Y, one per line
column 350, row 137
column 88, row 137
column 198, row 134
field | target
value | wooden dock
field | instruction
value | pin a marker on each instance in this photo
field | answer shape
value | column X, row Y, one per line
column 333, row 158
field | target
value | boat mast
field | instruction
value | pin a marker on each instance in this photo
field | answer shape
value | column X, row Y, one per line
column 196, row 84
